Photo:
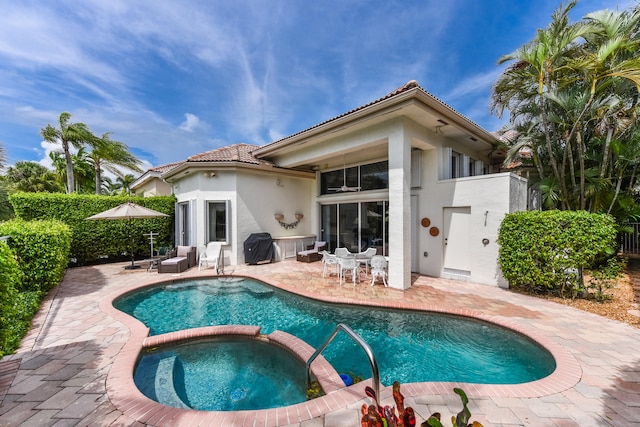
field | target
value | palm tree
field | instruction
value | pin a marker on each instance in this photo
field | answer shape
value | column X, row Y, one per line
column 82, row 169
column 534, row 74
column 109, row 154
column 572, row 92
column 67, row 135
column 31, row 177
column 109, row 187
column 125, row 181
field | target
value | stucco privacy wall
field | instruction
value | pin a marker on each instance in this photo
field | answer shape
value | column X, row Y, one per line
column 254, row 198
column 477, row 193
column 262, row 195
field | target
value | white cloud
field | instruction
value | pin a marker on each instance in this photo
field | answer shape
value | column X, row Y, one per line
column 190, row 123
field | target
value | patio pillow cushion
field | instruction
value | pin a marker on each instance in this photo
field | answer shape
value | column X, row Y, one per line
column 182, row 251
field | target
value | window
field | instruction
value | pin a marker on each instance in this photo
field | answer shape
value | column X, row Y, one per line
column 373, row 176
column 416, row 168
column 218, row 221
column 456, row 165
column 472, row 167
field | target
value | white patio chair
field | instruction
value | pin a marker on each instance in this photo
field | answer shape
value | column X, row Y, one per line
column 349, row 264
column 342, row 253
column 211, row 255
column 365, row 258
column 327, row 260
column 378, row 269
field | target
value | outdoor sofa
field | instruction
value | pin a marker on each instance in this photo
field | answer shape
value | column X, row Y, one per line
column 312, row 253
column 181, row 258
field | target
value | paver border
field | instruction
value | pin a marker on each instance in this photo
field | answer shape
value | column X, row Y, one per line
column 126, row 397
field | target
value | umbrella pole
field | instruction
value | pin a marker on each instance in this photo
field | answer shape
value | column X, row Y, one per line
column 133, row 266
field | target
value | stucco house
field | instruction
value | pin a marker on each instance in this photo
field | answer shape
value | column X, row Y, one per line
column 406, row 174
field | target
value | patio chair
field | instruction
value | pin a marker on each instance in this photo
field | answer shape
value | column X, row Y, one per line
column 365, row 258
column 342, row 253
column 378, row 269
column 327, row 260
column 312, row 253
column 211, row 255
column 349, row 264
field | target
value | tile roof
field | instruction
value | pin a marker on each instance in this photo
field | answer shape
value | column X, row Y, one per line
column 406, row 87
column 165, row 168
column 242, row 153
column 410, row 85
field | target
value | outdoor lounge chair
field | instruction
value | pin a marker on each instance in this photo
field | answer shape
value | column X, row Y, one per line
column 211, row 255
column 182, row 258
column 312, row 253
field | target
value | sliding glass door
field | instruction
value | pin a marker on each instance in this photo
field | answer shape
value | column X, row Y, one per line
column 356, row 226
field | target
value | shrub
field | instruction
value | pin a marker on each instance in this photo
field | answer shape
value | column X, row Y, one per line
column 16, row 308
column 92, row 240
column 41, row 249
column 548, row 251
column 10, row 279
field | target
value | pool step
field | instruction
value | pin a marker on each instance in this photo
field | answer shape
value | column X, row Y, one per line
column 164, row 388
column 235, row 288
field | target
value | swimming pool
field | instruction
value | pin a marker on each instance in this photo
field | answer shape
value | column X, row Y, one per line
column 409, row 346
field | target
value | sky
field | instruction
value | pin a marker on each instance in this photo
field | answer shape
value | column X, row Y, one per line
column 175, row 78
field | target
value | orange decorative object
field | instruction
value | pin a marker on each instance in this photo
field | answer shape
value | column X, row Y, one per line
column 434, row 231
column 425, row 222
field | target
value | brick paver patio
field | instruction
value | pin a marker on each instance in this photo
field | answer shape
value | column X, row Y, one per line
column 68, row 368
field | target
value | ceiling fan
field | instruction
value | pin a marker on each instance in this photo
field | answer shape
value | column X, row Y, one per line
column 344, row 187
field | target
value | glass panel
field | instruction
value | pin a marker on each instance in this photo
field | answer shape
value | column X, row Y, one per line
column 349, row 227
column 217, row 222
column 329, row 230
column 352, row 177
column 374, row 176
column 330, row 181
column 455, row 164
column 360, row 226
column 184, row 224
column 372, row 226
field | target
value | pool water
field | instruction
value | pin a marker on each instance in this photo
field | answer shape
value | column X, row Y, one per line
column 409, row 346
column 222, row 375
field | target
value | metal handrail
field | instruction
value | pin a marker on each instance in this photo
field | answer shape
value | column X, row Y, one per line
column 375, row 373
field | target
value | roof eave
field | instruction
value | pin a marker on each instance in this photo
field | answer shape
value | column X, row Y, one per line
column 186, row 168
column 418, row 93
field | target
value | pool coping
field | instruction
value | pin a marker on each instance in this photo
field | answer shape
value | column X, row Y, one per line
column 126, row 397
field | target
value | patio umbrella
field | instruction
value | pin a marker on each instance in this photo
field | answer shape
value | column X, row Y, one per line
column 128, row 211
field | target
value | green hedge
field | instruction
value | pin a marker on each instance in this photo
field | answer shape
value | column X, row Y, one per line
column 94, row 240
column 42, row 251
column 10, row 279
column 540, row 250
column 16, row 308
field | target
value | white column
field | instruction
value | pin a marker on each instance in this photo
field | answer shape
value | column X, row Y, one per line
column 399, row 208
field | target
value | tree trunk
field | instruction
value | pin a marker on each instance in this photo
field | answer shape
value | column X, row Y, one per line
column 98, row 178
column 69, row 165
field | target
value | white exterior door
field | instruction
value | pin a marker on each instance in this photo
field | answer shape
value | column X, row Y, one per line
column 457, row 229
